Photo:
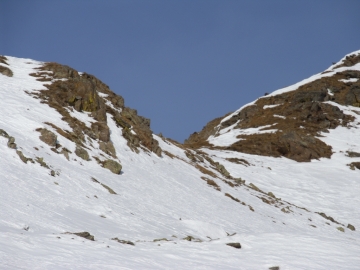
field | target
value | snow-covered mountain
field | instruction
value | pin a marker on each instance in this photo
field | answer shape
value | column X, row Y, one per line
column 85, row 184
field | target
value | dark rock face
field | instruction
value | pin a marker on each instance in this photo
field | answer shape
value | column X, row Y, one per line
column 85, row 235
column 235, row 245
column 6, row 71
column 11, row 143
column 304, row 114
column 3, row 133
column 82, row 153
column 47, row 136
column 113, row 166
column 85, row 93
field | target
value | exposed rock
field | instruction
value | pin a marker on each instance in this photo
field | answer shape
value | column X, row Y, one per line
column 65, row 152
column 244, row 114
column 41, row 161
column 111, row 191
column 113, row 166
column 81, row 92
column 352, row 154
column 82, row 153
column 192, row 239
column 354, row 165
column 108, row 148
column 47, row 136
column 351, row 227
column 160, row 239
column 123, row 241
column 327, row 217
column 22, row 157
column 341, row 229
column 3, row 133
column 274, row 268
column 101, row 131
column 220, row 168
column 85, row 235
column 235, row 245
column 11, row 143
column 295, row 134
column 6, row 71
column 3, row 60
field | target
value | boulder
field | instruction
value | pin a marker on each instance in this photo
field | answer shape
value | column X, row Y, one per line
column 235, row 245
column 11, row 143
column 82, row 153
column 6, row 71
column 85, row 235
column 113, row 166
column 101, row 131
column 108, row 148
column 351, row 227
column 3, row 133
column 47, row 136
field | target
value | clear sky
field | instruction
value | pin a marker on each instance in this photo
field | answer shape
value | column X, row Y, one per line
column 184, row 63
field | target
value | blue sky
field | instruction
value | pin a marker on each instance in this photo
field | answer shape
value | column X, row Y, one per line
column 184, row 63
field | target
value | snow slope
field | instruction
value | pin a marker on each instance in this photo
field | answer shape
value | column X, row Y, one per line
column 165, row 197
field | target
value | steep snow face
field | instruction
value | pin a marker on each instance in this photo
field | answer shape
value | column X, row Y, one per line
column 158, row 202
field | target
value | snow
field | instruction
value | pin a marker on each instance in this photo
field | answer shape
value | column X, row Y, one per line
column 229, row 135
column 351, row 80
column 164, row 197
column 279, row 116
column 270, row 106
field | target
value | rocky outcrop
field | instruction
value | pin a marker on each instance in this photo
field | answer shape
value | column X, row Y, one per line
column 296, row 119
column 113, row 166
column 3, row 69
column 6, row 71
column 85, row 93
column 82, row 153
column 47, row 136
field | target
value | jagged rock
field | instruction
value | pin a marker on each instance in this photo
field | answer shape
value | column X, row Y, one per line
column 155, row 147
column 6, row 71
column 113, row 166
column 101, row 131
column 222, row 169
column 11, row 143
column 3, row 133
column 47, row 136
column 41, row 161
column 351, row 227
column 65, row 152
column 192, row 239
column 244, row 114
column 123, row 241
column 85, row 235
column 82, row 153
column 354, row 165
column 22, row 157
column 108, row 148
column 235, row 245
column 352, row 154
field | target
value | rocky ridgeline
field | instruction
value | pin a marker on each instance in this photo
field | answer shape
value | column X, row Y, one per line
column 70, row 91
column 298, row 116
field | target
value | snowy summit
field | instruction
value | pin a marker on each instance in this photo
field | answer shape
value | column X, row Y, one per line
column 85, row 184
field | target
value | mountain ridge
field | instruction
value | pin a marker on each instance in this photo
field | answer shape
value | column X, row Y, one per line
column 75, row 159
